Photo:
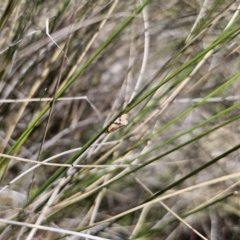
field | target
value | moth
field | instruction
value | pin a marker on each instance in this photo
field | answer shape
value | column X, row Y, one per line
column 119, row 122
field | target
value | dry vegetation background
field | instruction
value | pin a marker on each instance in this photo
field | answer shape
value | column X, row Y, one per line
column 68, row 69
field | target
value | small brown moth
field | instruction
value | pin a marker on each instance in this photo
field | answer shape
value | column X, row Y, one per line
column 119, row 122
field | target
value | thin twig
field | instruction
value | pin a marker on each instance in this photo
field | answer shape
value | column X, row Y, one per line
column 48, row 34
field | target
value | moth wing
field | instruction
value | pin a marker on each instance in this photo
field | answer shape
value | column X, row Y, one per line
column 118, row 120
column 124, row 119
column 113, row 127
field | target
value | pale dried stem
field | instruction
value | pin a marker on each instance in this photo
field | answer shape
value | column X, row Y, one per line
column 57, row 230
column 200, row 16
column 104, row 20
column 145, row 53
